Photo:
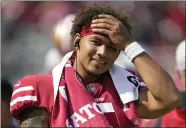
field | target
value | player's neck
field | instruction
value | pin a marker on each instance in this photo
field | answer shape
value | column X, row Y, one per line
column 86, row 77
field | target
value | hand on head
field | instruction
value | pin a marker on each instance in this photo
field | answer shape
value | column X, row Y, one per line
column 113, row 28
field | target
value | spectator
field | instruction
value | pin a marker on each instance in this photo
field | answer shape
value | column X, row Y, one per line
column 62, row 43
column 6, row 93
column 176, row 118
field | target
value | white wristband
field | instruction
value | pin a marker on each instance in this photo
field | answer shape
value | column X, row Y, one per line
column 133, row 50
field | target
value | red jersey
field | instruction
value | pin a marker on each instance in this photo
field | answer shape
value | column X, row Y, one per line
column 32, row 91
column 37, row 91
column 71, row 105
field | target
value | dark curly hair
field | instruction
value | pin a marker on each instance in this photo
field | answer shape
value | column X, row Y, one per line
column 85, row 16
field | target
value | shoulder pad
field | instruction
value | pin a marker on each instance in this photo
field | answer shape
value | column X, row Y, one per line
column 31, row 91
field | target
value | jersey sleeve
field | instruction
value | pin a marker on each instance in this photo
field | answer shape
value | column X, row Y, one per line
column 29, row 92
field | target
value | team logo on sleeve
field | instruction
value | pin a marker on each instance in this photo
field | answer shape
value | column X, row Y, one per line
column 17, row 84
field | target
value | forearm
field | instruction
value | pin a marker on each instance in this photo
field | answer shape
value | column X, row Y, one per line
column 158, row 81
column 38, row 121
column 35, row 117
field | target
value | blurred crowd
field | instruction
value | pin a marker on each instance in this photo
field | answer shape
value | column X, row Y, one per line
column 35, row 35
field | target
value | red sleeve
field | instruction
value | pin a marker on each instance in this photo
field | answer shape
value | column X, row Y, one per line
column 175, row 118
column 31, row 91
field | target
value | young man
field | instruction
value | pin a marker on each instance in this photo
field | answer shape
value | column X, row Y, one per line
column 177, row 117
column 86, row 89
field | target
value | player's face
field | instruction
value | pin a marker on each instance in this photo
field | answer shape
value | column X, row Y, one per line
column 97, row 54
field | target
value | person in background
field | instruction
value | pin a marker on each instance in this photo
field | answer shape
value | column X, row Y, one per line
column 62, row 43
column 177, row 117
column 6, row 93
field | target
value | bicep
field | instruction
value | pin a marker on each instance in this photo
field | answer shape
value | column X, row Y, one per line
column 148, row 107
column 35, row 117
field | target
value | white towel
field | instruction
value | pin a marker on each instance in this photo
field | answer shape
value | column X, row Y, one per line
column 127, row 91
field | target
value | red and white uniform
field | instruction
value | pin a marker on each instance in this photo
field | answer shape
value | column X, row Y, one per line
column 69, row 109
column 32, row 91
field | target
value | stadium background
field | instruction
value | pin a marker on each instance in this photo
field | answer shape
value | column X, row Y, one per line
column 27, row 31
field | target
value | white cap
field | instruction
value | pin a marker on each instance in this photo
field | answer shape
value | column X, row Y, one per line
column 63, row 29
column 52, row 58
column 180, row 56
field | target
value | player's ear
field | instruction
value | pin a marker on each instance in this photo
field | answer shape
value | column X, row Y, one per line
column 76, row 40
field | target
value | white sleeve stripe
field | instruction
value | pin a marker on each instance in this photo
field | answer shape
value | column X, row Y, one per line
column 106, row 107
column 23, row 98
column 26, row 88
column 62, row 92
column 68, row 65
